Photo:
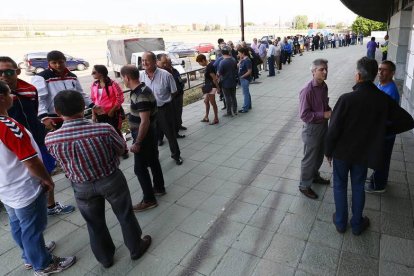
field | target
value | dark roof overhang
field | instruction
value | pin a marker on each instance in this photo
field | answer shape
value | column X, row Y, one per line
column 378, row 10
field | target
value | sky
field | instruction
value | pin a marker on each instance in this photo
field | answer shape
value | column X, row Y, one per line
column 178, row 12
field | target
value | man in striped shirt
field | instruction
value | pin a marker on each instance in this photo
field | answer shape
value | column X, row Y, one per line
column 88, row 153
column 142, row 121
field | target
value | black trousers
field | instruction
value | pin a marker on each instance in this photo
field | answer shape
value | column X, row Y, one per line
column 178, row 109
column 148, row 157
column 166, row 125
column 90, row 198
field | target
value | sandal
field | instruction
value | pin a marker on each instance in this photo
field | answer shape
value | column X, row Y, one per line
column 205, row 120
column 214, row 123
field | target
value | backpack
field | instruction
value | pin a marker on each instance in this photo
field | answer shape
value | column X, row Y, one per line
column 287, row 48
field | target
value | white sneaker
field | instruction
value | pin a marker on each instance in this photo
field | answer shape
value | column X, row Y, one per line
column 58, row 265
column 50, row 246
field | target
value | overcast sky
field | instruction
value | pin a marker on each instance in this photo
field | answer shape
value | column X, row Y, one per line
column 177, row 11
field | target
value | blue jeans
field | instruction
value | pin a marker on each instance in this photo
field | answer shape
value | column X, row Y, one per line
column 340, row 179
column 246, row 94
column 27, row 226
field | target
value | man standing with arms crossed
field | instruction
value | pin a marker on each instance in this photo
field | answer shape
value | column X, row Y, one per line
column 378, row 180
column 314, row 111
column 163, row 86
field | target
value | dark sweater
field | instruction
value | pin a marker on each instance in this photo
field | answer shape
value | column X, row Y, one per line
column 360, row 121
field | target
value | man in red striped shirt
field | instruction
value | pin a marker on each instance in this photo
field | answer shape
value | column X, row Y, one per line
column 89, row 154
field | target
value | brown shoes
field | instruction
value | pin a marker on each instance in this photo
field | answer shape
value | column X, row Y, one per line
column 308, row 192
column 146, row 242
column 144, row 205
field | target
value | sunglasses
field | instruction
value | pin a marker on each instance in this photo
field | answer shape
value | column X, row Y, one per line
column 8, row 72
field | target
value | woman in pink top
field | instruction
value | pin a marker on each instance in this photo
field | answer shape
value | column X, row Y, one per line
column 108, row 96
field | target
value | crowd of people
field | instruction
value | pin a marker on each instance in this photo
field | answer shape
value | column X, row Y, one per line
column 42, row 123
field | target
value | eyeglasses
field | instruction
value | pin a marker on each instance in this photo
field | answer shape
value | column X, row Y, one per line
column 8, row 72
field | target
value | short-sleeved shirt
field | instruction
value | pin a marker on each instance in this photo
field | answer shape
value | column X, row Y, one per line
column 207, row 74
column 18, row 188
column 85, row 150
column 228, row 72
column 142, row 100
column 391, row 90
column 245, row 65
column 162, row 85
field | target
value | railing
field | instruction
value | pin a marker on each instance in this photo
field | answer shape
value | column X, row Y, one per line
column 193, row 78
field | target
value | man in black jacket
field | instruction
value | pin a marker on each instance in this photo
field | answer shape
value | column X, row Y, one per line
column 355, row 139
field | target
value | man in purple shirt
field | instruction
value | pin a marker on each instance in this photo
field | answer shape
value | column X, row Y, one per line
column 315, row 112
column 371, row 47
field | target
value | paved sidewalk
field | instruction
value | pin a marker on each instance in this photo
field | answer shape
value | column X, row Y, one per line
column 233, row 207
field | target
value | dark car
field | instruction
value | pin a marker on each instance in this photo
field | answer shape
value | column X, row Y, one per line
column 204, row 47
column 37, row 62
column 182, row 51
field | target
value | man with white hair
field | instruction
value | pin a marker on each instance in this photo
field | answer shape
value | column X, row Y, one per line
column 315, row 112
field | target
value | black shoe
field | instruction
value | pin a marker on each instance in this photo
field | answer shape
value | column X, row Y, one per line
column 146, row 242
column 108, row 265
column 160, row 143
column 182, row 128
column 339, row 230
column 320, row 180
column 243, row 111
column 159, row 192
column 179, row 136
column 308, row 192
column 364, row 225
column 178, row 161
column 224, row 108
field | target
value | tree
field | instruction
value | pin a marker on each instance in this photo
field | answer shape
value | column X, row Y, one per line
column 321, row 25
column 301, row 22
column 366, row 26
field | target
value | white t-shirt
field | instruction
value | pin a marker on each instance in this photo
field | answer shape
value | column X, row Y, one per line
column 162, row 85
column 18, row 188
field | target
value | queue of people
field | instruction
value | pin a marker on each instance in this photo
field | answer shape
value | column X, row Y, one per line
column 43, row 124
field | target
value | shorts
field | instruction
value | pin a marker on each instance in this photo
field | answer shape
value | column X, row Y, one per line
column 212, row 92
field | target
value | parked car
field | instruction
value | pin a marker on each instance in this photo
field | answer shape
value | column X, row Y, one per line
column 36, row 62
column 204, row 47
column 182, row 51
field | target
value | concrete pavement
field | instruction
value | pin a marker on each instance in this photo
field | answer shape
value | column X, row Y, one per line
column 233, row 207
